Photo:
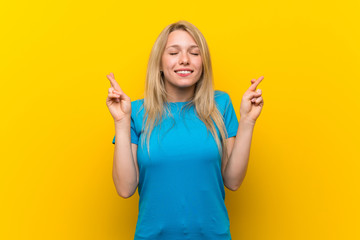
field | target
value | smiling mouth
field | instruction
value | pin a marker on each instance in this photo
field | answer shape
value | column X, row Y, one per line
column 183, row 73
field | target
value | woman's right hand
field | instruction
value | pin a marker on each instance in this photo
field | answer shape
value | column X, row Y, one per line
column 118, row 102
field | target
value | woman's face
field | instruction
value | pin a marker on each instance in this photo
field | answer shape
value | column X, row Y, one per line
column 181, row 62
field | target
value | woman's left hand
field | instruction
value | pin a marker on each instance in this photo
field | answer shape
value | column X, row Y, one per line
column 252, row 102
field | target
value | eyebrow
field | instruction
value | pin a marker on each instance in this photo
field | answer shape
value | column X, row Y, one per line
column 177, row 46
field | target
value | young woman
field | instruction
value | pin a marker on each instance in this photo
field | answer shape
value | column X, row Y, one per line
column 182, row 143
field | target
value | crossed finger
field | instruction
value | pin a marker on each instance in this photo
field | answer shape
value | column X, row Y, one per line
column 255, row 84
column 113, row 82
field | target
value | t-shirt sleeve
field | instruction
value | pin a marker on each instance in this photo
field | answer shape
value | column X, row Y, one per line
column 230, row 118
column 133, row 134
column 133, row 131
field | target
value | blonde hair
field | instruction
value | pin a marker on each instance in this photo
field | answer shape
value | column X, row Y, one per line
column 155, row 96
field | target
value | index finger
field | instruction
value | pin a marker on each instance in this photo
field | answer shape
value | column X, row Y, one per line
column 255, row 84
column 113, row 82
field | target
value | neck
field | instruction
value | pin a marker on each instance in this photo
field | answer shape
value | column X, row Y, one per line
column 179, row 94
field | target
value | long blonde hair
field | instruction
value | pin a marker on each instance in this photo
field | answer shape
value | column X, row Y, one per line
column 155, row 96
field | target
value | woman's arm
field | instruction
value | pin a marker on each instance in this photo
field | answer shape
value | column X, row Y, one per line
column 234, row 168
column 125, row 168
column 239, row 148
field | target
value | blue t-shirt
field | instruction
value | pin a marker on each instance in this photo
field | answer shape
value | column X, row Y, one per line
column 181, row 190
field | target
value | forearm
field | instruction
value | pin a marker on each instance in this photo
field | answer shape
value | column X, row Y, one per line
column 124, row 171
column 236, row 166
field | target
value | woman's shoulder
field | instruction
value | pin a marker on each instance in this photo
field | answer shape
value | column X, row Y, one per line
column 137, row 102
column 222, row 100
column 137, row 106
column 221, row 96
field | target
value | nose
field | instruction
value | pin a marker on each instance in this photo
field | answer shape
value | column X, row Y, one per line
column 184, row 59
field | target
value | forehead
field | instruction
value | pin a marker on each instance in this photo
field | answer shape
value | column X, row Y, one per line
column 180, row 38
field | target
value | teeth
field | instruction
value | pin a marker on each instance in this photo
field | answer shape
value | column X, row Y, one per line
column 183, row 72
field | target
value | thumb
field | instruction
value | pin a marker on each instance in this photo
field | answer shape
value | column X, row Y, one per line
column 122, row 95
column 252, row 95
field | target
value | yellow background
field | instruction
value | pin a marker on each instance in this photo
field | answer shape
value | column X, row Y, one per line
column 56, row 131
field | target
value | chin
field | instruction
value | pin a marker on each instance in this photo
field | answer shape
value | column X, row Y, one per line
column 186, row 85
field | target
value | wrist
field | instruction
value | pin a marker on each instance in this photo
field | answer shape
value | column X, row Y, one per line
column 246, row 122
column 123, row 122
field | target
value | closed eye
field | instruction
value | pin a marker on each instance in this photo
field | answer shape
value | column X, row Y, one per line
column 196, row 54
